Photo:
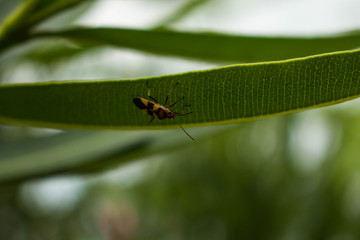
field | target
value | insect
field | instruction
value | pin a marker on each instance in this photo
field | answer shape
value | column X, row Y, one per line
column 156, row 110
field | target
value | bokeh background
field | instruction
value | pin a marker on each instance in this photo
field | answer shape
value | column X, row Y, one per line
column 288, row 177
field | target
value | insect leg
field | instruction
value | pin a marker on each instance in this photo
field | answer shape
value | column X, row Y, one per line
column 184, row 130
column 147, row 85
column 151, row 119
column 167, row 97
column 175, row 102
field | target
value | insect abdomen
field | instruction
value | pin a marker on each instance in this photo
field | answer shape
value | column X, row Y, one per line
column 144, row 105
column 149, row 107
column 140, row 104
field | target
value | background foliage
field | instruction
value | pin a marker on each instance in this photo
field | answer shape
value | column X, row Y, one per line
column 285, row 177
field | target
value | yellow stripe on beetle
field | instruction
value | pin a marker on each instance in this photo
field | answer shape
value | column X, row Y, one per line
column 156, row 110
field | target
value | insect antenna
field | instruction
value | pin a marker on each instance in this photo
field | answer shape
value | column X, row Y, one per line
column 184, row 130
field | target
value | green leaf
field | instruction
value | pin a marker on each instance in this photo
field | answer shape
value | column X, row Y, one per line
column 210, row 46
column 6, row 7
column 66, row 152
column 16, row 27
column 49, row 8
column 187, row 7
column 48, row 52
column 83, row 152
column 222, row 95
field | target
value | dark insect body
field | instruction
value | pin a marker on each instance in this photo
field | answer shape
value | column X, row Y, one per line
column 156, row 110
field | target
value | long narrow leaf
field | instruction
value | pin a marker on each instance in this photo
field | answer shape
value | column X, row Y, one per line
column 223, row 95
column 16, row 27
column 83, row 152
column 210, row 46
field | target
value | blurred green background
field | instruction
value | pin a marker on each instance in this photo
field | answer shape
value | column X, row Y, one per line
column 287, row 177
